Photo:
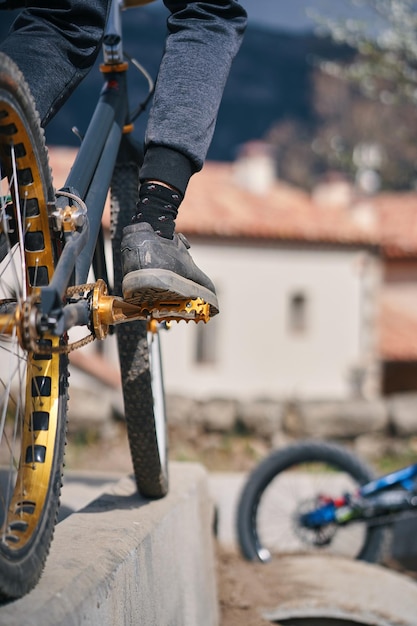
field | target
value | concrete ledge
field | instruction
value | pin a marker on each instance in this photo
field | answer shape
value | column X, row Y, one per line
column 331, row 590
column 125, row 560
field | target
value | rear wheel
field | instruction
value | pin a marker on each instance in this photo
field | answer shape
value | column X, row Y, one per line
column 33, row 387
column 139, row 353
column 286, row 485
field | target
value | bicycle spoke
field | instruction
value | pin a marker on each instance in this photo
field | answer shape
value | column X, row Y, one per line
column 33, row 388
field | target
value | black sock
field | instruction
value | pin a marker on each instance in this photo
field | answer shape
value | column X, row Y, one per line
column 158, row 206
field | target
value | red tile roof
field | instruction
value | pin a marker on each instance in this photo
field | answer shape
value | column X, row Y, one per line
column 397, row 217
column 215, row 205
column 61, row 160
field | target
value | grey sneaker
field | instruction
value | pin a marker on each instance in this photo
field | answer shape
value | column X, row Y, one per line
column 158, row 270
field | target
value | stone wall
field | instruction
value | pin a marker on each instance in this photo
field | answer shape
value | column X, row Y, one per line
column 374, row 427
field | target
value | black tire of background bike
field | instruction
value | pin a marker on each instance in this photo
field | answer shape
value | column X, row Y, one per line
column 281, row 460
column 151, row 474
column 21, row 570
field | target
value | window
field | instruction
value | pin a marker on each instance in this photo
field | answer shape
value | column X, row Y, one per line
column 298, row 312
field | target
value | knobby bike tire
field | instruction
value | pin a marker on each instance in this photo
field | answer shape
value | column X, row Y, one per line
column 139, row 354
column 33, row 388
column 284, row 484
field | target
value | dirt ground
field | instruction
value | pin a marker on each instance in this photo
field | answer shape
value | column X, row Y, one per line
column 244, row 588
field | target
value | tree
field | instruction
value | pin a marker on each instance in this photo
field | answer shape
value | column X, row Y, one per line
column 364, row 104
column 386, row 64
column 347, row 124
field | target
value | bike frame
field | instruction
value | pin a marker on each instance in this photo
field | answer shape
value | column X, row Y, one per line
column 387, row 495
column 403, row 478
column 78, row 214
column 78, row 211
column 91, row 173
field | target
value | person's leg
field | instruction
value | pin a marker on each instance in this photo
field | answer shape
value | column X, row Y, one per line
column 55, row 48
column 203, row 40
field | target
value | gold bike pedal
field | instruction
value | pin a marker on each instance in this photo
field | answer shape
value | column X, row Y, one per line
column 189, row 310
column 108, row 310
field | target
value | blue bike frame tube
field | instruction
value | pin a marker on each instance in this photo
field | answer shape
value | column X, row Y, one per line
column 400, row 477
column 112, row 107
column 96, row 198
column 67, row 260
column 92, row 170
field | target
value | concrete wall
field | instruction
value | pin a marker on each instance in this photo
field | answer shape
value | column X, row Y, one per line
column 126, row 561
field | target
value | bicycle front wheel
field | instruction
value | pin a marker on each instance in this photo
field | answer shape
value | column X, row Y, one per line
column 287, row 484
column 33, row 387
column 139, row 354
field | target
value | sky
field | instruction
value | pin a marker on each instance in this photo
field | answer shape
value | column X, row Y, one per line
column 292, row 14
column 287, row 13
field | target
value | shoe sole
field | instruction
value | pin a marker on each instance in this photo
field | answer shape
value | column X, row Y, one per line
column 152, row 289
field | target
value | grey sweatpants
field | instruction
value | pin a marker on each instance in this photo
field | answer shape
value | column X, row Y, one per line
column 56, row 46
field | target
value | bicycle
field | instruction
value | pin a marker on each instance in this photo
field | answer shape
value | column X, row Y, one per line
column 48, row 242
column 317, row 496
